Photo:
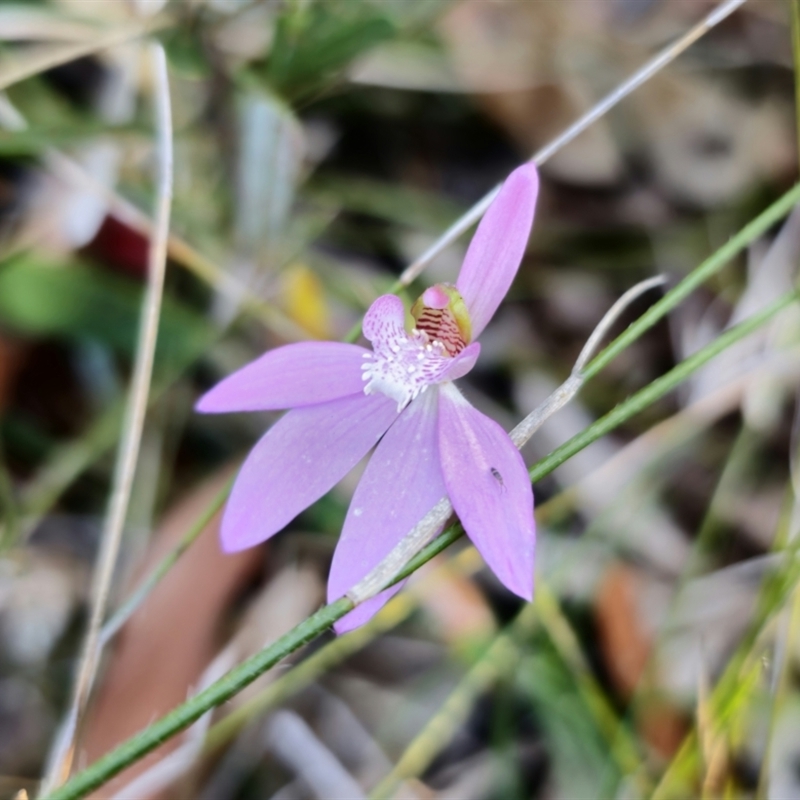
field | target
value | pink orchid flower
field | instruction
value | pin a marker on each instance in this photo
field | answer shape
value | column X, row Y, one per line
column 431, row 442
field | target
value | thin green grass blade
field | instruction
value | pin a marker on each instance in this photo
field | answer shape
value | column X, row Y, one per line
column 500, row 657
column 713, row 264
column 139, row 595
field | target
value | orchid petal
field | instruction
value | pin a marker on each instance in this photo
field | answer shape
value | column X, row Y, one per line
column 496, row 249
column 385, row 319
column 301, row 374
column 402, row 483
column 463, row 362
column 490, row 489
column 300, row 459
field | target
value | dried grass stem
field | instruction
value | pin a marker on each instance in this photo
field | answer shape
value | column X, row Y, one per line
column 125, row 468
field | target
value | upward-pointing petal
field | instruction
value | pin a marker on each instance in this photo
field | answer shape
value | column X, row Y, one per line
column 385, row 320
column 298, row 460
column 489, row 488
column 300, row 374
column 402, row 483
column 497, row 247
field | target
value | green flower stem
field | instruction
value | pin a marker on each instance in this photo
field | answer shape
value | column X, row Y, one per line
column 187, row 713
column 310, row 669
column 239, row 677
column 334, row 652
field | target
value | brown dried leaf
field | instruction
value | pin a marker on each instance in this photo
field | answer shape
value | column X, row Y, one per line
column 168, row 642
column 624, row 639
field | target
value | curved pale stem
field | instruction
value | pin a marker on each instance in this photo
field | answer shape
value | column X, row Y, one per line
column 125, row 469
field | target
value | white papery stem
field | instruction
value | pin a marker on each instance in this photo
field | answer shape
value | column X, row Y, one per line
column 656, row 64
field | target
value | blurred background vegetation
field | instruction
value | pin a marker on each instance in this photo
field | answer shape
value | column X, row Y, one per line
column 321, row 146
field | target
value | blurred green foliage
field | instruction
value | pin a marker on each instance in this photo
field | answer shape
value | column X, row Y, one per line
column 314, row 42
column 78, row 301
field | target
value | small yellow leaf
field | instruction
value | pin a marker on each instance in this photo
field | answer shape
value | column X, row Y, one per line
column 304, row 299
